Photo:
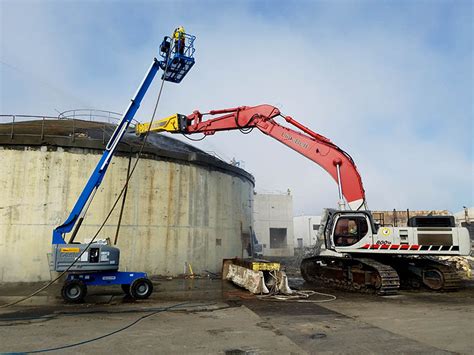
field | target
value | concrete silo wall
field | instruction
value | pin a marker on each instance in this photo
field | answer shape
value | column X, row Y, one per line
column 175, row 211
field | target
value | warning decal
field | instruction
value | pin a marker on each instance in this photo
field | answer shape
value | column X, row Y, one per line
column 69, row 250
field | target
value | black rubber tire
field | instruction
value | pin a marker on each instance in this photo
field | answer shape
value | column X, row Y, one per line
column 126, row 289
column 141, row 288
column 74, row 291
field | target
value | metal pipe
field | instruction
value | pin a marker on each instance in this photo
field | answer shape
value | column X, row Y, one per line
column 123, row 199
column 309, row 231
column 227, row 110
column 341, row 203
column 42, row 129
column 82, row 216
column 305, row 129
column 13, row 124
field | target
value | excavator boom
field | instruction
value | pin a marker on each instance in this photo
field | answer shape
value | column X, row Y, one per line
column 358, row 254
column 312, row 145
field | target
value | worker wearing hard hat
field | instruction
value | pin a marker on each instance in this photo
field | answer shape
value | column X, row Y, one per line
column 178, row 37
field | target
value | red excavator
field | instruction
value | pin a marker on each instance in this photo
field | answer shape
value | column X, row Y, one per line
column 357, row 253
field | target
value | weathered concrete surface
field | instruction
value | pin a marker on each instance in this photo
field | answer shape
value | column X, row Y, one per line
column 319, row 330
column 176, row 212
column 442, row 320
column 411, row 323
column 202, row 323
column 191, row 329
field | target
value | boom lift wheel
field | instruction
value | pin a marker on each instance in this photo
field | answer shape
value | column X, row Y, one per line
column 141, row 288
column 74, row 291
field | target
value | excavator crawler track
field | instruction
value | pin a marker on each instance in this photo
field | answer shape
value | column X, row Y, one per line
column 351, row 274
column 431, row 273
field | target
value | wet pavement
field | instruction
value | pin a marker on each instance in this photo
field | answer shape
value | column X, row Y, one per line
column 205, row 316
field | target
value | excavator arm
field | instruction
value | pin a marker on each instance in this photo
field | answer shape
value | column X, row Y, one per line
column 313, row 146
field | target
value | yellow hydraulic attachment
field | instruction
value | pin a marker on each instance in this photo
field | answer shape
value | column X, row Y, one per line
column 168, row 124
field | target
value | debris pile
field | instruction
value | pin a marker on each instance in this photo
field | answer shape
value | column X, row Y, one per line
column 463, row 264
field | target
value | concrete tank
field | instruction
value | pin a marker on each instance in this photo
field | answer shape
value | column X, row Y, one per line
column 182, row 205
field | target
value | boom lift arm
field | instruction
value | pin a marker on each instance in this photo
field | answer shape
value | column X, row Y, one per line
column 175, row 66
column 312, row 145
column 80, row 208
column 97, row 263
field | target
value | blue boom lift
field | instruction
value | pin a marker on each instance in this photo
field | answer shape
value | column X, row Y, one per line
column 97, row 263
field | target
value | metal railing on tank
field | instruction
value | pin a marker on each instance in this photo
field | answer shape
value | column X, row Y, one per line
column 72, row 126
column 91, row 115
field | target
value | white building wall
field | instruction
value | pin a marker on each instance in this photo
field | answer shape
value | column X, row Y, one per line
column 306, row 230
column 465, row 216
column 272, row 211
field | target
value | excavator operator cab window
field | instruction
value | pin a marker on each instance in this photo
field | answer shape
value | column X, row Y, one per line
column 349, row 230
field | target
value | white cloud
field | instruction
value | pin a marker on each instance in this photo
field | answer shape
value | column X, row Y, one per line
column 398, row 104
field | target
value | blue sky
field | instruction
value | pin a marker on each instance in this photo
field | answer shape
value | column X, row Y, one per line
column 390, row 82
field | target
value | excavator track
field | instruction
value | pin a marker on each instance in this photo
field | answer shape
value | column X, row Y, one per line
column 433, row 274
column 352, row 274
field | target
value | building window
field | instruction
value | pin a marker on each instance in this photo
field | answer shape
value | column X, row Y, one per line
column 315, row 227
column 277, row 238
column 300, row 243
column 218, row 242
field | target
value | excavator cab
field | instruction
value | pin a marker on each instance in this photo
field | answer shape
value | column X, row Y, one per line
column 178, row 57
column 344, row 229
column 350, row 229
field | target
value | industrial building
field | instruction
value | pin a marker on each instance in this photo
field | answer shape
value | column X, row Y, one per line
column 183, row 206
column 465, row 217
column 273, row 223
column 396, row 218
column 306, row 231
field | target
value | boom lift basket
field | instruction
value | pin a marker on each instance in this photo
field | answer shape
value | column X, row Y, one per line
column 178, row 57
